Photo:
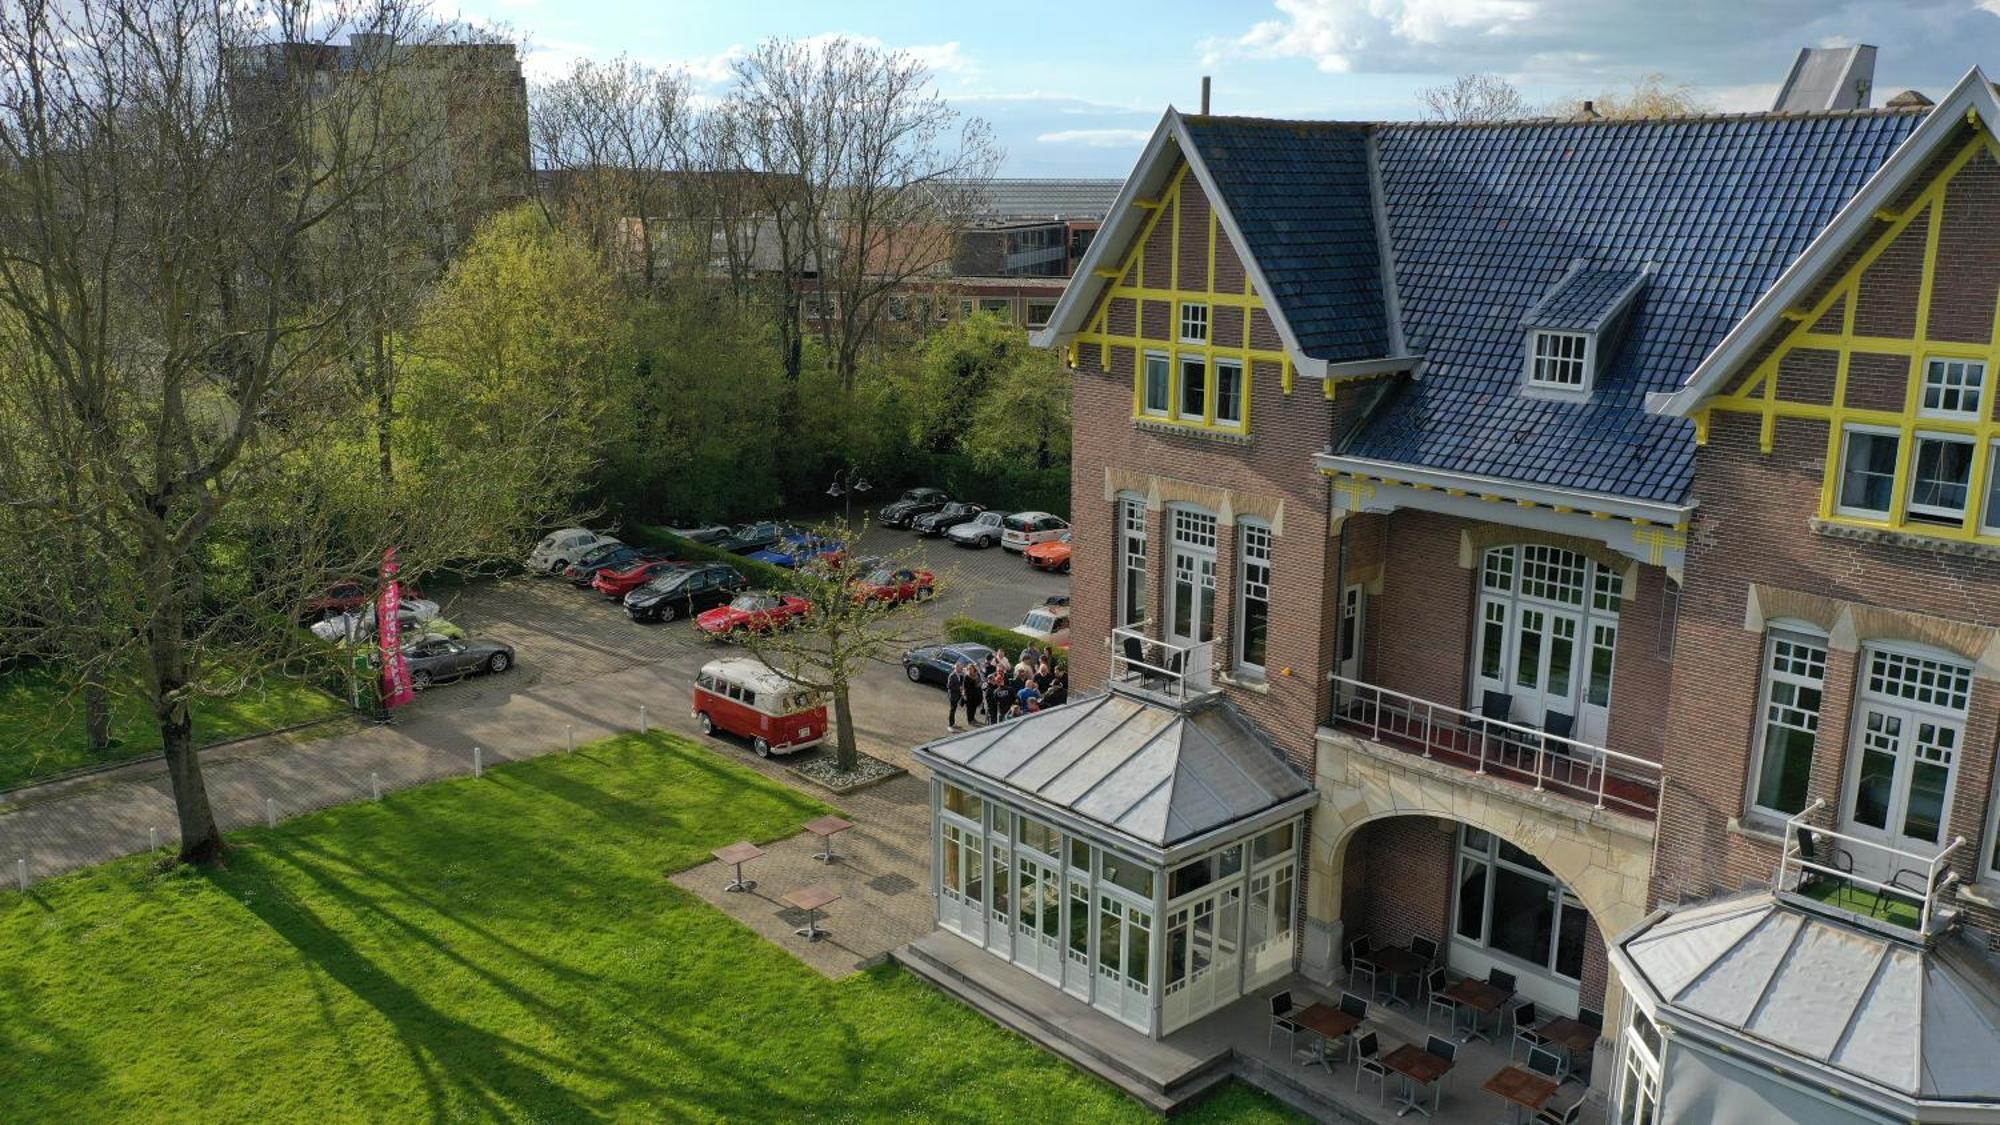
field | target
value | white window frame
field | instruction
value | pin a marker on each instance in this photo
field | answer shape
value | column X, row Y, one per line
column 1046, row 308
column 1638, row 1071
column 1989, row 520
column 1255, row 548
column 1840, row 482
column 1951, row 677
column 1146, row 383
column 1800, row 637
column 1193, row 322
column 1938, row 372
column 1181, row 362
column 1132, row 559
column 1541, row 365
column 1215, row 371
column 1950, row 515
column 1463, row 852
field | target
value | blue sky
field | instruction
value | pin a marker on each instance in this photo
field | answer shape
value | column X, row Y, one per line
column 1073, row 88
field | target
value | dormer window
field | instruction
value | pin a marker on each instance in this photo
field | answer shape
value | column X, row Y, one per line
column 1560, row 361
column 1194, row 323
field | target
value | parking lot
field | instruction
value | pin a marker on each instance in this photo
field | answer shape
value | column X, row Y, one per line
column 562, row 635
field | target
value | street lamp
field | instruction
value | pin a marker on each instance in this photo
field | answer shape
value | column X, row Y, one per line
column 847, row 482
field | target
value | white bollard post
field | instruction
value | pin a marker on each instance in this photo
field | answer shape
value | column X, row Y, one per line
column 375, row 784
column 642, row 718
column 270, row 813
column 570, row 730
column 478, row 762
column 152, row 839
column 21, row 873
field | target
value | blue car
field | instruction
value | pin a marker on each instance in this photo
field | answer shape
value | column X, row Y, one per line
column 794, row 551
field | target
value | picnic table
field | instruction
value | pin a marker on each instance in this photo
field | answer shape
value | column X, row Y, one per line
column 1477, row 998
column 736, row 855
column 1396, row 963
column 826, row 828
column 1523, row 1089
column 1327, row 1022
column 811, row 899
column 1417, row 1067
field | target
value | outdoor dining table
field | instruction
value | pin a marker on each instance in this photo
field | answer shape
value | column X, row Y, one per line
column 1525, row 1090
column 811, row 899
column 826, row 828
column 1327, row 1022
column 736, row 855
column 1574, row 1036
column 1417, row 1067
column 1477, row 998
column 1396, row 963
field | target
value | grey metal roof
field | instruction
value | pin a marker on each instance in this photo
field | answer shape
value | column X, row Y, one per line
column 1046, row 199
column 1154, row 773
column 1921, row 1022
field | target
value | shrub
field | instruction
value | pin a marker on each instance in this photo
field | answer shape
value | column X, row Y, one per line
column 961, row 628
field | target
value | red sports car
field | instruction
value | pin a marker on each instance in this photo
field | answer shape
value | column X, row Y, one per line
column 758, row 611
column 894, row 584
column 1051, row 554
column 345, row 597
column 619, row 581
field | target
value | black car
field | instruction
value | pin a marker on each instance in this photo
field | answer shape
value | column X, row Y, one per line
column 916, row 502
column 582, row 571
column 752, row 537
column 932, row 664
column 944, row 519
column 684, row 593
column 433, row 658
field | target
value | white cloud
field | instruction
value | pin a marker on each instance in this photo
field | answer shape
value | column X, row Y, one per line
column 1989, row 6
column 1332, row 33
column 1096, row 138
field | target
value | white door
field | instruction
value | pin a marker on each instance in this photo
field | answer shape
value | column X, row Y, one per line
column 1038, row 926
column 1076, row 939
column 1545, row 665
column 1191, row 610
column 1353, row 630
column 1000, row 901
column 1909, row 724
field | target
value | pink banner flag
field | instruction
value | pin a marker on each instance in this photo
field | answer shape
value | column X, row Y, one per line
column 389, row 634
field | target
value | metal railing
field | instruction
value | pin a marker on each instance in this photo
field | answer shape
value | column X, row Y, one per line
column 1550, row 762
column 1797, row 875
column 1171, row 668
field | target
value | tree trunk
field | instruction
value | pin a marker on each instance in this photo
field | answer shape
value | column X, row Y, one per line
column 385, row 407
column 201, row 838
column 845, row 758
column 97, row 717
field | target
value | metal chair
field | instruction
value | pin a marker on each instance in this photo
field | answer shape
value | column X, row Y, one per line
column 1441, row 1047
column 1495, row 708
column 1434, row 986
column 1354, row 1005
column 1836, row 857
column 1281, row 1020
column 1369, row 1061
column 1561, row 1115
column 1591, row 1018
column 1425, row 950
column 1547, row 1063
column 1359, row 964
column 1525, row 1034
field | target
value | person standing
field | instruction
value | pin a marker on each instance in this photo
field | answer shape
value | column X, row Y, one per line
column 956, row 696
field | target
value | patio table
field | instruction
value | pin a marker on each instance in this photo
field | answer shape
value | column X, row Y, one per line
column 1417, row 1067
column 1327, row 1022
column 1396, row 963
column 1523, row 1089
column 1477, row 998
column 1574, row 1036
column 826, row 828
column 736, row 855
column 811, row 899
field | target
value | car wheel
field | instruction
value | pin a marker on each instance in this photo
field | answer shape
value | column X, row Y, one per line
column 499, row 662
column 707, row 724
column 926, row 593
column 1064, row 568
column 762, row 748
column 985, row 541
column 915, row 673
column 419, row 681
column 667, row 613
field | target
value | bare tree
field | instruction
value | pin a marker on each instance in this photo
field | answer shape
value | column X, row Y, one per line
column 1473, row 98
column 1649, row 95
column 172, row 167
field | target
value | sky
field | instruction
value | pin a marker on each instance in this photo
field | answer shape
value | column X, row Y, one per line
column 1074, row 89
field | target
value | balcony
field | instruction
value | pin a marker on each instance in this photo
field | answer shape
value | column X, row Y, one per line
column 1176, row 672
column 1550, row 763
column 1828, row 872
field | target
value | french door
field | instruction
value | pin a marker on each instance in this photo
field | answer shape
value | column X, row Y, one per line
column 1548, row 631
column 1038, row 928
column 1353, row 626
column 1908, row 727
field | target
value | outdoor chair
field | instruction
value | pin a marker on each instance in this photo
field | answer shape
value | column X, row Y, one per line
column 1558, row 726
column 1368, row 1060
column 1281, row 1020
column 1547, row 1063
column 1504, row 981
column 1591, row 1018
column 1561, row 1115
column 1425, row 950
column 1443, row 1048
column 1360, row 964
column 1354, row 1005
column 1495, row 709
column 1135, row 654
column 1835, row 857
column 1434, row 986
column 1525, row 1034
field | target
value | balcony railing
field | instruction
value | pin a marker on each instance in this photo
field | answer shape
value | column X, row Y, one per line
column 1826, row 868
column 1172, row 669
column 1551, row 763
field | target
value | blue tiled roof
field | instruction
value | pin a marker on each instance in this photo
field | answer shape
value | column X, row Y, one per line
column 1583, row 298
column 1484, row 220
column 1299, row 194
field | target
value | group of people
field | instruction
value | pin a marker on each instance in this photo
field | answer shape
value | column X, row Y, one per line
column 1003, row 689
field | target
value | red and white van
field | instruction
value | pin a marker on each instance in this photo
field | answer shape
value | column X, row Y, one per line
column 747, row 699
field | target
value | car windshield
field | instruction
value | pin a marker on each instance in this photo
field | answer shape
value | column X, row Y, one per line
column 753, row 601
column 1040, row 622
column 880, row 578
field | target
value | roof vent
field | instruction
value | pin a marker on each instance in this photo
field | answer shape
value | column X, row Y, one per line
column 1825, row 78
column 1909, row 99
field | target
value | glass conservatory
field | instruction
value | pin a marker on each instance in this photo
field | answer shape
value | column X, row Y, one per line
column 1142, row 856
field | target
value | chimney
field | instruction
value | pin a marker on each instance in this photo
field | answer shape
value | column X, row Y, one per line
column 1204, row 95
column 1589, row 111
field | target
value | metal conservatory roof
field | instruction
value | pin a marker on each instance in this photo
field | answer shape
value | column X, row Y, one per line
column 1919, row 1022
column 1149, row 772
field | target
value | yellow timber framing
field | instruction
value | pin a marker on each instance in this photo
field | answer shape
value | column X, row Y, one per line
column 1758, row 394
column 1142, row 288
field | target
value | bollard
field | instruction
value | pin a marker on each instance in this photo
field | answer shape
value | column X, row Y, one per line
column 21, row 873
column 375, row 784
column 153, row 839
column 642, row 718
column 571, row 731
column 478, row 762
column 270, row 813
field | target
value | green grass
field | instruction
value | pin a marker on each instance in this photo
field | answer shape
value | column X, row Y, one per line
column 505, row 948
column 42, row 729
column 1893, row 909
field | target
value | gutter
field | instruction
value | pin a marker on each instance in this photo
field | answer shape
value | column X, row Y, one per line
column 1652, row 511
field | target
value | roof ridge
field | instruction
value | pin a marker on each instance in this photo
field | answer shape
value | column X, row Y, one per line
column 1332, row 124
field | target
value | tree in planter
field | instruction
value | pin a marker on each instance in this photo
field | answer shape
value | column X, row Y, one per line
column 836, row 640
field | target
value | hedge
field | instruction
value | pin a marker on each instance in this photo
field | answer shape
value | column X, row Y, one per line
column 759, row 573
column 961, row 628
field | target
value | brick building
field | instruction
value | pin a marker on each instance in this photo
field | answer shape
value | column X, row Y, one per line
column 1604, row 519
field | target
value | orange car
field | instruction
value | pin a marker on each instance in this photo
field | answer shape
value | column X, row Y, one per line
column 1051, row 555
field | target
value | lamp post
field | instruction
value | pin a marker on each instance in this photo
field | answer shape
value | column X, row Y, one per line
column 847, row 482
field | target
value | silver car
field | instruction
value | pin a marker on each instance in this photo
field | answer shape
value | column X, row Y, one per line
column 433, row 658
column 984, row 531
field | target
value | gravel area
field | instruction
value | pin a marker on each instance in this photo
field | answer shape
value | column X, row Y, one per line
column 822, row 771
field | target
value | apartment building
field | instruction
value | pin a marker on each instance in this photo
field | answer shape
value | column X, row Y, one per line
column 1599, row 522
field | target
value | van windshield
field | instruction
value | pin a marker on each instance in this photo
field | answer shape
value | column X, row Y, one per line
column 1040, row 622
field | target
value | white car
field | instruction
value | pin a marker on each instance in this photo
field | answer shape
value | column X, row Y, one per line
column 1025, row 529
column 982, row 532
column 359, row 625
column 1049, row 623
column 559, row 549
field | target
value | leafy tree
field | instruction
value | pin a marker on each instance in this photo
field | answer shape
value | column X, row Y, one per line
column 961, row 362
column 1024, row 418
column 1649, row 95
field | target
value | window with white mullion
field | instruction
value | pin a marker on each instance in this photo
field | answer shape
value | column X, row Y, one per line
column 1789, row 703
column 1953, row 388
column 1159, row 383
column 1132, row 549
column 1940, row 478
column 1560, row 361
column 1253, row 619
column 1194, row 323
column 1868, row 470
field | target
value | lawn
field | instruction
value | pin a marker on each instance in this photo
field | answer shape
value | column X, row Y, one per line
column 1898, row 910
column 41, row 722
column 505, row 948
